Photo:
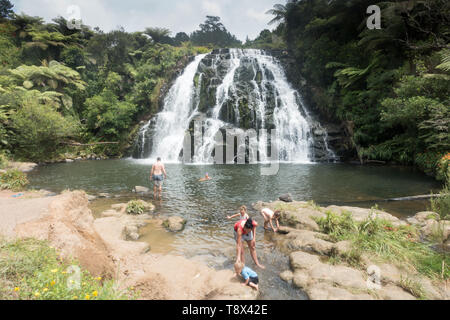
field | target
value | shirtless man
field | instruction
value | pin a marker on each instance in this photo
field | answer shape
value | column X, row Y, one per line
column 157, row 176
column 205, row 178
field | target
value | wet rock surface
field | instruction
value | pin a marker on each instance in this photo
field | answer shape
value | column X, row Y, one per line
column 315, row 266
column 174, row 223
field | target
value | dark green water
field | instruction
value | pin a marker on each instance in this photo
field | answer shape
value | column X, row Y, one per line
column 208, row 235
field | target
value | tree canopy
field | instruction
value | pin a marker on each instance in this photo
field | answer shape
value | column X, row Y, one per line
column 213, row 32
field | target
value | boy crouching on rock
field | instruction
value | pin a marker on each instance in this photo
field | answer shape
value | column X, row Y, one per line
column 250, row 276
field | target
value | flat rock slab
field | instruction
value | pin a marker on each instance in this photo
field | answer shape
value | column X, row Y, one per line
column 22, row 166
column 14, row 211
column 361, row 214
column 140, row 189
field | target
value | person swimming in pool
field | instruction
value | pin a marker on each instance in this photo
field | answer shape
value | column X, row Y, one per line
column 156, row 175
column 205, row 178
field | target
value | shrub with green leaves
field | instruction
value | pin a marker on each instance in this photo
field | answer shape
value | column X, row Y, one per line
column 441, row 203
column 136, row 207
column 38, row 129
column 31, row 270
column 337, row 226
column 14, row 180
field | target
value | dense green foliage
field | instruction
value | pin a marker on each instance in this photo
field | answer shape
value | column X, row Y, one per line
column 32, row 270
column 267, row 40
column 389, row 87
column 60, row 85
column 13, row 179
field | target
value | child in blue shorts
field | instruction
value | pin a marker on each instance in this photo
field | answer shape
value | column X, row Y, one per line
column 250, row 276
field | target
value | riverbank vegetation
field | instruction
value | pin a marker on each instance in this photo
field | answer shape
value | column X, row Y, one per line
column 32, row 270
column 13, row 179
column 385, row 242
column 388, row 87
column 65, row 91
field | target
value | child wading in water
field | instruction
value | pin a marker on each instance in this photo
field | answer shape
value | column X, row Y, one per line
column 250, row 276
column 242, row 214
column 268, row 216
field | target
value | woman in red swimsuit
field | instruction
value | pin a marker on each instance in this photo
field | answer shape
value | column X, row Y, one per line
column 246, row 230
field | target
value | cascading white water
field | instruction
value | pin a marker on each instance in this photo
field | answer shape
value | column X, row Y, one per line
column 213, row 124
column 290, row 118
column 173, row 121
column 293, row 130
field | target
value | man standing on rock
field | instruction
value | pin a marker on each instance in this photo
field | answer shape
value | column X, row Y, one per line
column 157, row 176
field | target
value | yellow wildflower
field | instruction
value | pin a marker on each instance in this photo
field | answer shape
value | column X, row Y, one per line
column 87, row 297
column 16, row 289
column 37, row 294
column 54, row 270
column 75, row 297
column 45, row 289
column 99, row 278
column 95, row 293
column 53, row 283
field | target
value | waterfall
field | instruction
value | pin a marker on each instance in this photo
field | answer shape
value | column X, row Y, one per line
column 213, row 124
column 173, row 121
column 249, row 90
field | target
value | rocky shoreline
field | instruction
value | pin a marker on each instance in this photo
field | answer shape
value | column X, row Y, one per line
column 310, row 252
column 108, row 246
column 103, row 247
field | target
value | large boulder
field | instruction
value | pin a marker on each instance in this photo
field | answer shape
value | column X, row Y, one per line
column 436, row 231
column 420, row 218
column 306, row 240
column 300, row 219
column 296, row 214
column 321, row 280
column 361, row 214
column 286, row 197
column 68, row 225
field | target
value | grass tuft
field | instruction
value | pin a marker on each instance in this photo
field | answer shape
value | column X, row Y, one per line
column 379, row 238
